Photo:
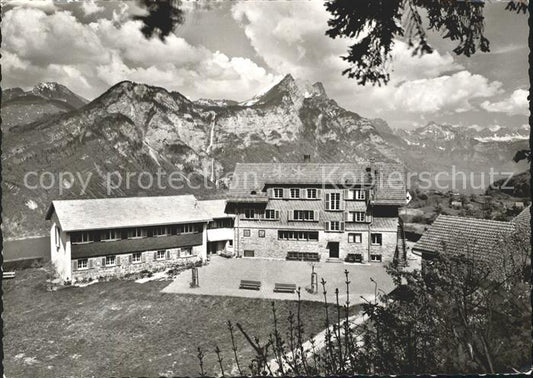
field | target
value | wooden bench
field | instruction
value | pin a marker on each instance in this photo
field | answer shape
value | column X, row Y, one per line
column 354, row 257
column 250, row 285
column 7, row 275
column 284, row 288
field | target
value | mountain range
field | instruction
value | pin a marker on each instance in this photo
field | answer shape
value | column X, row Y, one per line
column 140, row 128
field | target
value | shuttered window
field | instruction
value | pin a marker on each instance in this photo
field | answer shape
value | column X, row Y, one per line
column 278, row 192
column 295, row 193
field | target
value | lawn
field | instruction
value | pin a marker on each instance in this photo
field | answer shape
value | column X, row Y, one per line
column 122, row 328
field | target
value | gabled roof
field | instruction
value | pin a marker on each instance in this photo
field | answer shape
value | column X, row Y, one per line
column 215, row 208
column 253, row 177
column 108, row 213
column 458, row 235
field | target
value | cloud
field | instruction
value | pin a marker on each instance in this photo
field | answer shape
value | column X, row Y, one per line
column 516, row 103
column 444, row 93
column 90, row 57
column 291, row 39
column 90, row 7
column 47, row 6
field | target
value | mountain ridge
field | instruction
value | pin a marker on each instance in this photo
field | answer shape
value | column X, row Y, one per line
column 134, row 127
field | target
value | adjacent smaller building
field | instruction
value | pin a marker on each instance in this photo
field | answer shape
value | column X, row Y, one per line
column 220, row 229
column 114, row 236
column 482, row 240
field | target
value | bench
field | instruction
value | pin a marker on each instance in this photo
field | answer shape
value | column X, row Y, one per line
column 284, row 288
column 250, row 285
column 7, row 275
column 303, row 256
column 354, row 257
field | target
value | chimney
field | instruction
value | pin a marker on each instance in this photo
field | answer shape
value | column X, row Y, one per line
column 307, row 158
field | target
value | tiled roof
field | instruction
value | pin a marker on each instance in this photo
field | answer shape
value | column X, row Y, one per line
column 391, row 186
column 215, row 208
column 458, row 235
column 384, row 224
column 523, row 220
column 109, row 213
column 355, row 206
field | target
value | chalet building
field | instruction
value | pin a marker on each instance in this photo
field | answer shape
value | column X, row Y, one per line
column 115, row 236
column 220, row 228
column 311, row 211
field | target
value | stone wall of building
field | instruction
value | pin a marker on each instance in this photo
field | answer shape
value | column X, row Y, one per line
column 124, row 264
column 388, row 246
column 270, row 246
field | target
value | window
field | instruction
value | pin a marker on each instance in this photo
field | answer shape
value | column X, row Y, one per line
column 355, row 238
column 161, row 254
column 136, row 257
column 333, row 201
column 110, row 260
column 221, row 223
column 188, row 228
column 57, row 237
column 261, row 233
column 110, row 235
column 271, row 214
column 249, row 253
column 304, row 215
column 298, row 235
column 187, row 251
column 278, row 193
column 311, row 193
column 83, row 263
column 376, row 239
column 81, row 237
column 359, row 194
column 246, row 233
column 358, row 216
column 160, row 231
column 295, row 193
column 136, row 233
column 334, row 226
column 249, row 214
column 375, row 257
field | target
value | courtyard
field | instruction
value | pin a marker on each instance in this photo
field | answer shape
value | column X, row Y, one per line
column 222, row 276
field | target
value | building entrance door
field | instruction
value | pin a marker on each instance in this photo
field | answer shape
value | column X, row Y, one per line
column 333, row 250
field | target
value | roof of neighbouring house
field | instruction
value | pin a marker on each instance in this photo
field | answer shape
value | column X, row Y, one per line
column 107, row 213
column 390, row 183
column 215, row 208
column 523, row 220
column 459, row 235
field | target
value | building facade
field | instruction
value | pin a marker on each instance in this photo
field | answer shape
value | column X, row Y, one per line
column 317, row 212
column 112, row 237
column 220, row 228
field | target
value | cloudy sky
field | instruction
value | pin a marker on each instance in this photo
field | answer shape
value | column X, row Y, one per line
column 235, row 49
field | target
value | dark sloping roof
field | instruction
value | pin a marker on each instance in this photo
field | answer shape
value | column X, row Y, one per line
column 459, row 235
column 523, row 220
column 134, row 245
column 390, row 187
column 108, row 213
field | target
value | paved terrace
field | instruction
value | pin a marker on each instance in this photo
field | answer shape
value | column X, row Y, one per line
column 222, row 277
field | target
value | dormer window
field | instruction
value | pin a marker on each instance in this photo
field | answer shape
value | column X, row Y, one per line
column 359, row 194
column 278, row 192
column 295, row 193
